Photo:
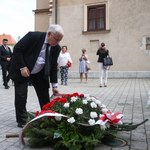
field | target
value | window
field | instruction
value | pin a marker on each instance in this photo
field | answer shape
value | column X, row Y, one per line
column 147, row 43
column 96, row 18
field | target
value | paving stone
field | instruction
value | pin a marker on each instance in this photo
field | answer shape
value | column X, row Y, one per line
column 136, row 136
column 138, row 145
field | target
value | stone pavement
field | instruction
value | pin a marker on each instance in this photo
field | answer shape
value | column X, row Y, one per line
column 128, row 96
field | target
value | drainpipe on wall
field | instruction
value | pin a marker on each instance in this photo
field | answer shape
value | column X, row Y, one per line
column 55, row 11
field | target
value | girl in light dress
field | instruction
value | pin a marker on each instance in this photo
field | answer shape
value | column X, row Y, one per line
column 83, row 60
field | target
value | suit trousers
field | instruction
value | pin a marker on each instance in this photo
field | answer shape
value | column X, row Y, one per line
column 41, row 85
column 21, row 88
column 5, row 68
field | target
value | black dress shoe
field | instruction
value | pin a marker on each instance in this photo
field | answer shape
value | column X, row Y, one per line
column 7, row 87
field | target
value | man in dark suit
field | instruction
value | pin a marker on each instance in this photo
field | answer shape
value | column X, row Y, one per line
column 35, row 58
column 5, row 56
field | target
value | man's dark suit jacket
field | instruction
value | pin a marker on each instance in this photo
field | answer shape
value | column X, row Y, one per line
column 26, row 52
column 4, row 54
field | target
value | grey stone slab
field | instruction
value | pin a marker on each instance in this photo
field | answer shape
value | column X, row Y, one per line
column 138, row 136
column 120, row 148
column 102, row 147
column 139, row 145
column 2, row 139
column 5, row 144
column 14, row 147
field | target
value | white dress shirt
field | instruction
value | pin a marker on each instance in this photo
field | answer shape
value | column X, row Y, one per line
column 41, row 62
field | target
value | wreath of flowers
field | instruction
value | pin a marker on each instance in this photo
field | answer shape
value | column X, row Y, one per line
column 74, row 121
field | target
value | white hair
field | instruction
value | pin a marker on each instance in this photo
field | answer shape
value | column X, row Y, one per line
column 56, row 28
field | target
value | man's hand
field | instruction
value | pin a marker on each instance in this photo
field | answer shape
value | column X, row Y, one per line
column 8, row 58
column 25, row 72
column 55, row 91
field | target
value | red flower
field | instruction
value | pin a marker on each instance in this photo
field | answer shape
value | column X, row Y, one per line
column 44, row 111
column 81, row 95
column 52, row 102
column 113, row 118
column 37, row 113
column 75, row 95
column 48, row 105
column 62, row 99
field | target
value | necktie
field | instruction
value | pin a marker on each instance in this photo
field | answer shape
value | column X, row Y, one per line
column 47, row 61
column 6, row 47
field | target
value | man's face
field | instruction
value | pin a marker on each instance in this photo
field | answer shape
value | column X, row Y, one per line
column 5, row 42
column 54, row 39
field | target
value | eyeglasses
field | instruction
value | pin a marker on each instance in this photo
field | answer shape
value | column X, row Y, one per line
column 58, row 39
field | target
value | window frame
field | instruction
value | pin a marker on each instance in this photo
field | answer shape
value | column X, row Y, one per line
column 95, row 18
column 85, row 15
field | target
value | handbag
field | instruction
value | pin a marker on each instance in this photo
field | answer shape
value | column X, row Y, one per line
column 108, row 61
column 88, row 67
column 69, row 64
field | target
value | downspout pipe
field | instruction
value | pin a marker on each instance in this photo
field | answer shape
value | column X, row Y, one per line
column 55, row 11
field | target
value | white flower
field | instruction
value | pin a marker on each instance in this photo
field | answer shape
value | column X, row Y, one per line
column 66, row 105
column 91, row 121
column 88, row 99
column 109, row 115
column 99, row 122
column 119, row 116
column 104, row 110
column 93, row 99
column 73, row 99
column 93, row 115
column 84, row 101
column 71, row 120
column 93, row 105
column 79, row 111
column 58, row 118
column 98, row 102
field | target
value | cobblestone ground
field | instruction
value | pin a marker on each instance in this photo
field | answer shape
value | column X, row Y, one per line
column 128, row 96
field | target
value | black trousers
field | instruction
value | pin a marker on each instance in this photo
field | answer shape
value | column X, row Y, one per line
column 5, row 68
column 21, row 88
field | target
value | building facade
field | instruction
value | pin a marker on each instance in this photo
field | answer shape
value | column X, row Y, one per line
column 123, row 25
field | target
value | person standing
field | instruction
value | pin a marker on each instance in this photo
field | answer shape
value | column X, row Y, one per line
column 64, row 62
column 102, row 52
column 35, row 58
column 83, row 62
column 5, row 57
